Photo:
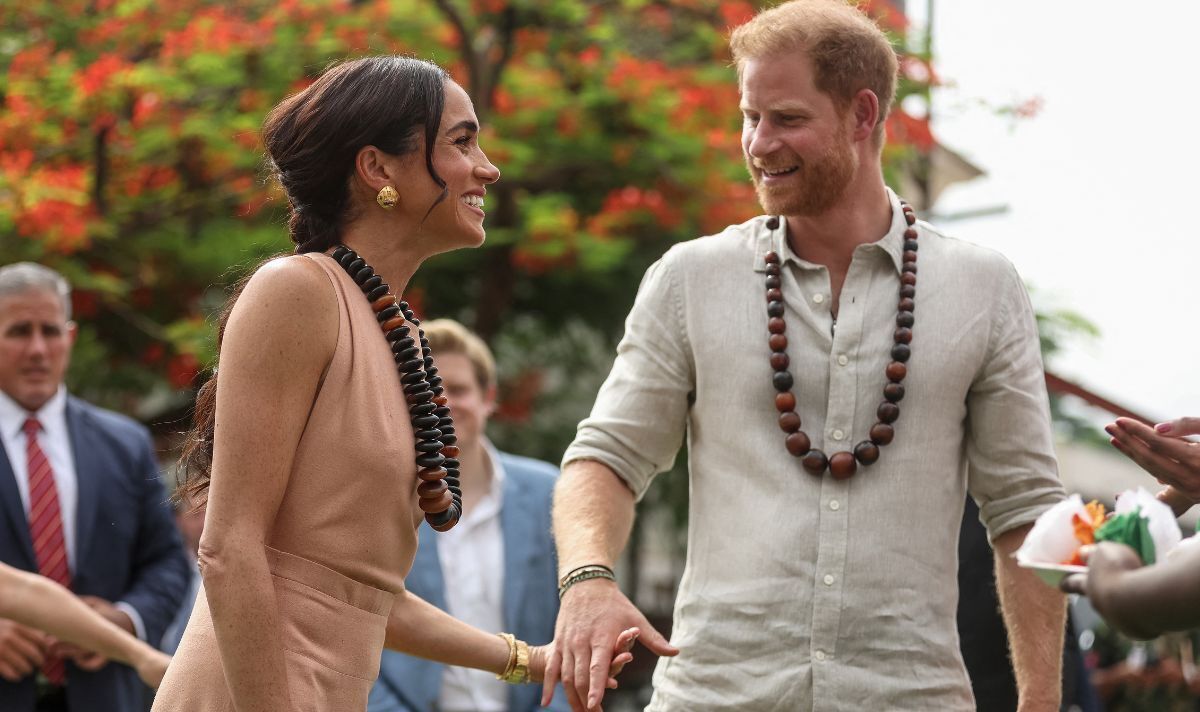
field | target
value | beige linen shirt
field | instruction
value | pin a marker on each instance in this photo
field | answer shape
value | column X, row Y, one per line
column 807, row 593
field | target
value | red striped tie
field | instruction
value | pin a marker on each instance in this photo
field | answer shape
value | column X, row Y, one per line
column 45, row 526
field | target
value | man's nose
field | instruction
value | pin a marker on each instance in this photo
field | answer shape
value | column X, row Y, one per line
column 38, row 343
column 762, row 141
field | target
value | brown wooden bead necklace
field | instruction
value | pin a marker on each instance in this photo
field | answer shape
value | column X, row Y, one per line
column 440, row 494
column 842, row 465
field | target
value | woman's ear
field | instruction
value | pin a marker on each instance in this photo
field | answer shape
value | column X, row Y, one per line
column 371, row 165
column 377, row 177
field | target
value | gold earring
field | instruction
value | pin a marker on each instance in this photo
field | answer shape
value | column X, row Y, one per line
column 387, row 198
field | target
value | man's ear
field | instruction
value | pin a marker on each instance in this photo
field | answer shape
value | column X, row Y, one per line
column 489, row 400
column 865, row 107
column 72, row 332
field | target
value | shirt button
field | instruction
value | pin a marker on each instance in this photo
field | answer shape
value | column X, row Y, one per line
column 818, row 298
column 843, row 360
column 819, row 655
column 835, row 505
column 828, row 579
column 838, row 435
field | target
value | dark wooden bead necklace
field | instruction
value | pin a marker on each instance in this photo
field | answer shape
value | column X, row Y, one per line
column 843, row 465
column 440, row 494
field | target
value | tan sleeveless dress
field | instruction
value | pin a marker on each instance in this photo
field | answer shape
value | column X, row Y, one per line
column 344, row 537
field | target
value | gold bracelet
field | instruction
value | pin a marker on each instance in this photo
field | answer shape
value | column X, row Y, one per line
column 516, row 672
column 512, row 654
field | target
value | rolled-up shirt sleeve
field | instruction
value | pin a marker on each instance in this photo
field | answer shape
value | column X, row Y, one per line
column 1013, row 473
column 637, row 424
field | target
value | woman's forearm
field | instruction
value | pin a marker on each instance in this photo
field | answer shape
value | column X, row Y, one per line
column 40, row 603
column 241, row 599
column 418, row 628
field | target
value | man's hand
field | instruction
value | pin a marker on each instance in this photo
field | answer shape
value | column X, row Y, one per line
column 113, row 614
column 22, row 650
column 1108, row 563
column 89, row 659
column 593, row 614
column 1162, row 451
column 84, row 659
column 540, row 655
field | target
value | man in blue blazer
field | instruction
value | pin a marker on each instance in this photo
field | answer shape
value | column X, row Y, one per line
column 497, row 568
column 81, row 503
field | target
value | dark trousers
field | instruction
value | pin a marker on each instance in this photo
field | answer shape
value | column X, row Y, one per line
column 51, row 699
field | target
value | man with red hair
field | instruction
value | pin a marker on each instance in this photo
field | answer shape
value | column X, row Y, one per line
column 821, row 562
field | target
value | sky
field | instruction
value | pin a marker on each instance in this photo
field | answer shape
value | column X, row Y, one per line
column 1098, row 186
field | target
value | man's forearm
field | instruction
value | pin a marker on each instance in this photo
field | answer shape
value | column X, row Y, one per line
column 593, row 515
column 1035, row 616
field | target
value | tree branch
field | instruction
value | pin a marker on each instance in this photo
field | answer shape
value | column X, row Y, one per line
column 508, row 31
column 455, row 17
column 100, row 155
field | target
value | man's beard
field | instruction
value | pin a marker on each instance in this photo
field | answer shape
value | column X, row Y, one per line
column 815, row 187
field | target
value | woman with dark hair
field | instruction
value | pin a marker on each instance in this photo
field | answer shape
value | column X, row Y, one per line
column 326, row 438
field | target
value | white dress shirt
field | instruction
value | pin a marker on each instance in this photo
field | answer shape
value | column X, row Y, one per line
column 472, row 559
column 55, row 442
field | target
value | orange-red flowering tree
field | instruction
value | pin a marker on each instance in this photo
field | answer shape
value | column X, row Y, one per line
column 130, row 159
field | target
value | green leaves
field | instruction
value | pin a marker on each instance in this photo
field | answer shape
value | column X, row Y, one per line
column 130, row 156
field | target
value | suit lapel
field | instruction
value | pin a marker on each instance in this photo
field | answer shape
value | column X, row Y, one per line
column 14, row 512
column 86, row 450
column 516, row 521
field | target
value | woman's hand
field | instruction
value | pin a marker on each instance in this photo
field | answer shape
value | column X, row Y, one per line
column 1164, row 451
column 539, row 656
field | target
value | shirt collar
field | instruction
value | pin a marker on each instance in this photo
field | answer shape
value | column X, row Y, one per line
column 489, row 505
column 493, row 456
column 768, row 239
column 13, row 415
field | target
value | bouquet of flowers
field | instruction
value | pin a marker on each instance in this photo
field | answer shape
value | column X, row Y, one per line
column 1139, row 521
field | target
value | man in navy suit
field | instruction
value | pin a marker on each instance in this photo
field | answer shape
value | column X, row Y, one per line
column 80, row 503
column 497, row 568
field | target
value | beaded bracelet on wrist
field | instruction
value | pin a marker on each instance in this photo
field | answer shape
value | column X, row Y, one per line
column 580, row 569
column 842, row 465
column 440, row 494
column 584, row 573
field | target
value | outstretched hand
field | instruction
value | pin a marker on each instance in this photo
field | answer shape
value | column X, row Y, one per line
column 590, row 638
column 540, row 656
column 1107, row 585
column 1162, row 451
column 1106, row 561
